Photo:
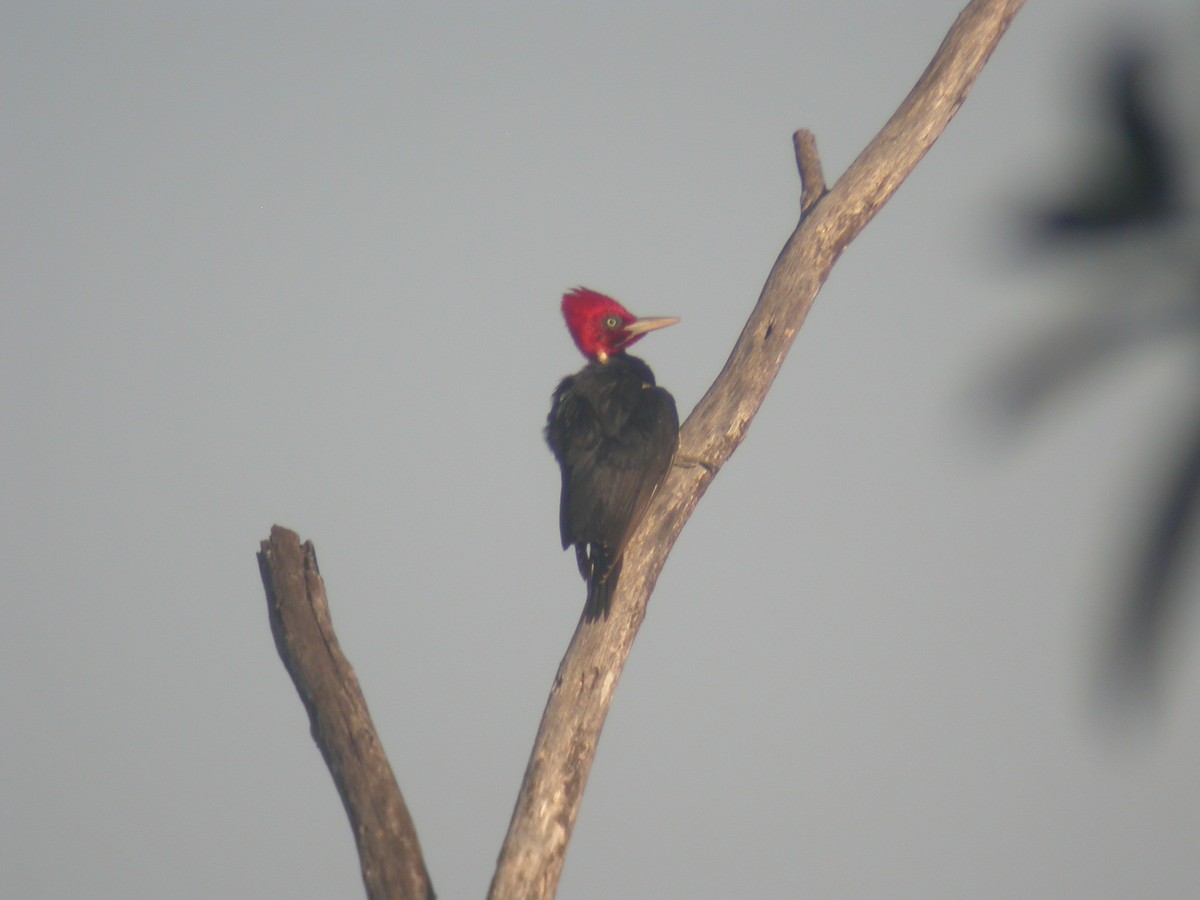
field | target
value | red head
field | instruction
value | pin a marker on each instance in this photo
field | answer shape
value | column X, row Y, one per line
column 601, row 326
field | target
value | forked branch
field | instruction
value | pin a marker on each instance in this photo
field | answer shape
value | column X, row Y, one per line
column 534, row 849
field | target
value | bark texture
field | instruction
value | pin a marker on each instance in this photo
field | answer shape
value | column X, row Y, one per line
column 534, row 849
column 388, row 849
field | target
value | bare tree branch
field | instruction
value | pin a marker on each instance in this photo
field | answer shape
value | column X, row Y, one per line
column 534, row 849
column 808, row 162
column 388, row 849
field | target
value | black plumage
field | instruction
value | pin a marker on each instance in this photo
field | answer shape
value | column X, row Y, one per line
column 614, row 433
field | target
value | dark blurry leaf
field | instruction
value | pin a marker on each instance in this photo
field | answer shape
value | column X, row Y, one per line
column 1140, row 183
column 1078, row 349
column 1154, row 594
column 1150, row 293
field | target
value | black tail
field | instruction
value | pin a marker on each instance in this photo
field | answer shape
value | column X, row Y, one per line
column 601, row 587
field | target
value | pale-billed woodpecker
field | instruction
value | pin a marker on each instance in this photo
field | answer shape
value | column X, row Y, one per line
column 614, row 433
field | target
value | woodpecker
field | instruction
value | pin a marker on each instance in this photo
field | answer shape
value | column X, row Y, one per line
column 614, row 433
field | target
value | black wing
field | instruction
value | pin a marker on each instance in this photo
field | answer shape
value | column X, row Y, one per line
column 614, row 434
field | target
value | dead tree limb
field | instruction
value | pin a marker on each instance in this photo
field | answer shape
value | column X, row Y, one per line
column 388, row 850
column 534, row 849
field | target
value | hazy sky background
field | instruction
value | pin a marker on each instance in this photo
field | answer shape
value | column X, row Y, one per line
column 301, row 264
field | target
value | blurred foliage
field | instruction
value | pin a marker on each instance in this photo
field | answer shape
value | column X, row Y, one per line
column 1129, row 207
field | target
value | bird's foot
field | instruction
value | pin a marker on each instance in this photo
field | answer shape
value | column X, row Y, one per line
column 691, row 462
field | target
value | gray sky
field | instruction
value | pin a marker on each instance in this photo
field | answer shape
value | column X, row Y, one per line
column 301, row 264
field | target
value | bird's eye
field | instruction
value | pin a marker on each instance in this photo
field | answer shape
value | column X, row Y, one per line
column 612, row 322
